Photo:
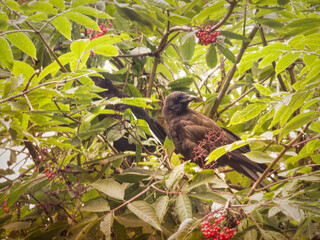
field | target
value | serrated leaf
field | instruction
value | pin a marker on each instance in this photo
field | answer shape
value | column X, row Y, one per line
column 6, row 57
column 63, row 25
column 175, row 176
column 262, row 89
column 184, row 229
column 109, row 187
column 233, row 35
column 145, row 212
column 288, row 209
column 161, row 207
column 82, row 20
column 305, row 22
column 206, row 12
column 105, row 226
column 92, row 12
column 211, row 56
column 215, row 154
column 98, row 205
column 181, row 82
column 188, row 47
column 210, row 196
column 269, row 59
column 251, row 111
column 23, row 42
column 17, row 226
column 106, row 40
column 286, row 61
column 183, row 207
column 107, row 51
column 78, row 47
column 259, row 157
column 226, row 52
column 298, row 121
column 205, row 176
column 179, row 20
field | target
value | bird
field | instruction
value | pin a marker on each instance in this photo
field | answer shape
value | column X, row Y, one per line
column 195, row 134
column 111, row 91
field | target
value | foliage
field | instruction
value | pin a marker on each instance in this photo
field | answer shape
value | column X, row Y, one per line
column 260, row 79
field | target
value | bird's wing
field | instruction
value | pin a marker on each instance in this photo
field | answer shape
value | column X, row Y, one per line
column 196, row 126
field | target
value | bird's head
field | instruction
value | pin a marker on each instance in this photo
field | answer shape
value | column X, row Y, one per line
column 177, row 102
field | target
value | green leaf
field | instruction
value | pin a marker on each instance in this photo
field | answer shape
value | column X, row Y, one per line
column 272, row 235
column 109, row 187
column 233, row 35
column 179, row 20
column 23, row 42
column 269, row 59
column 58, row 3
column 107, row 51
column 247, row 114
column 206, row 12
column 188, row 47
column 145, row 212
column 305, row 22
column 6, row 57
column 286, row 61
column 86, row 225
column 17, row 226
column 205, row 176
column 183, row 207
column 161, row 207
column 13, row 5
column 106, row 40
column 105, row 226
column 226, row 52
column 210, row 196
column 298, row 121
column 211, row 56
column 98, row 205
column 82, row 20
column 270, row 22
column 39, row 6
column 63, row 25
column 288, row 209
column 92, row 12
column 214, row 155
column 78, row 47
column 175, row 176
column 184, row 229
column 25, row 69
column 262, row 89
column 181, row 83
column 259, row 157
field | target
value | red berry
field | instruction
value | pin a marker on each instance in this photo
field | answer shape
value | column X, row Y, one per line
column 36, row 169
column 50, row 179
column 46, row 169
column 238, row 222
column 4, row 205
column 5, row 199
column 110, row 24
column 6, row 210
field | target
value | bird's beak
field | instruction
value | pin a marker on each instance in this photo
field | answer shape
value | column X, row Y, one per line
column 189, row 99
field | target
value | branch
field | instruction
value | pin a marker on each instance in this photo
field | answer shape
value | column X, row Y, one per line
column 284, row 150
column 39, row 86
column 231, row 73
column 243, row 95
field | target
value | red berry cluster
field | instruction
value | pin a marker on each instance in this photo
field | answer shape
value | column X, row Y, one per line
column 217, row 231
column 93, row 34
column 48, row 174
column 207, row 36
column 5, row 206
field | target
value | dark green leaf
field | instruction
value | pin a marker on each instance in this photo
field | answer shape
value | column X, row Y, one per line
column 211, row 56
column 226, row 52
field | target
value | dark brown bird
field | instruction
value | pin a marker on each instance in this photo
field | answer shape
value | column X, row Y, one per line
column 190, row 130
